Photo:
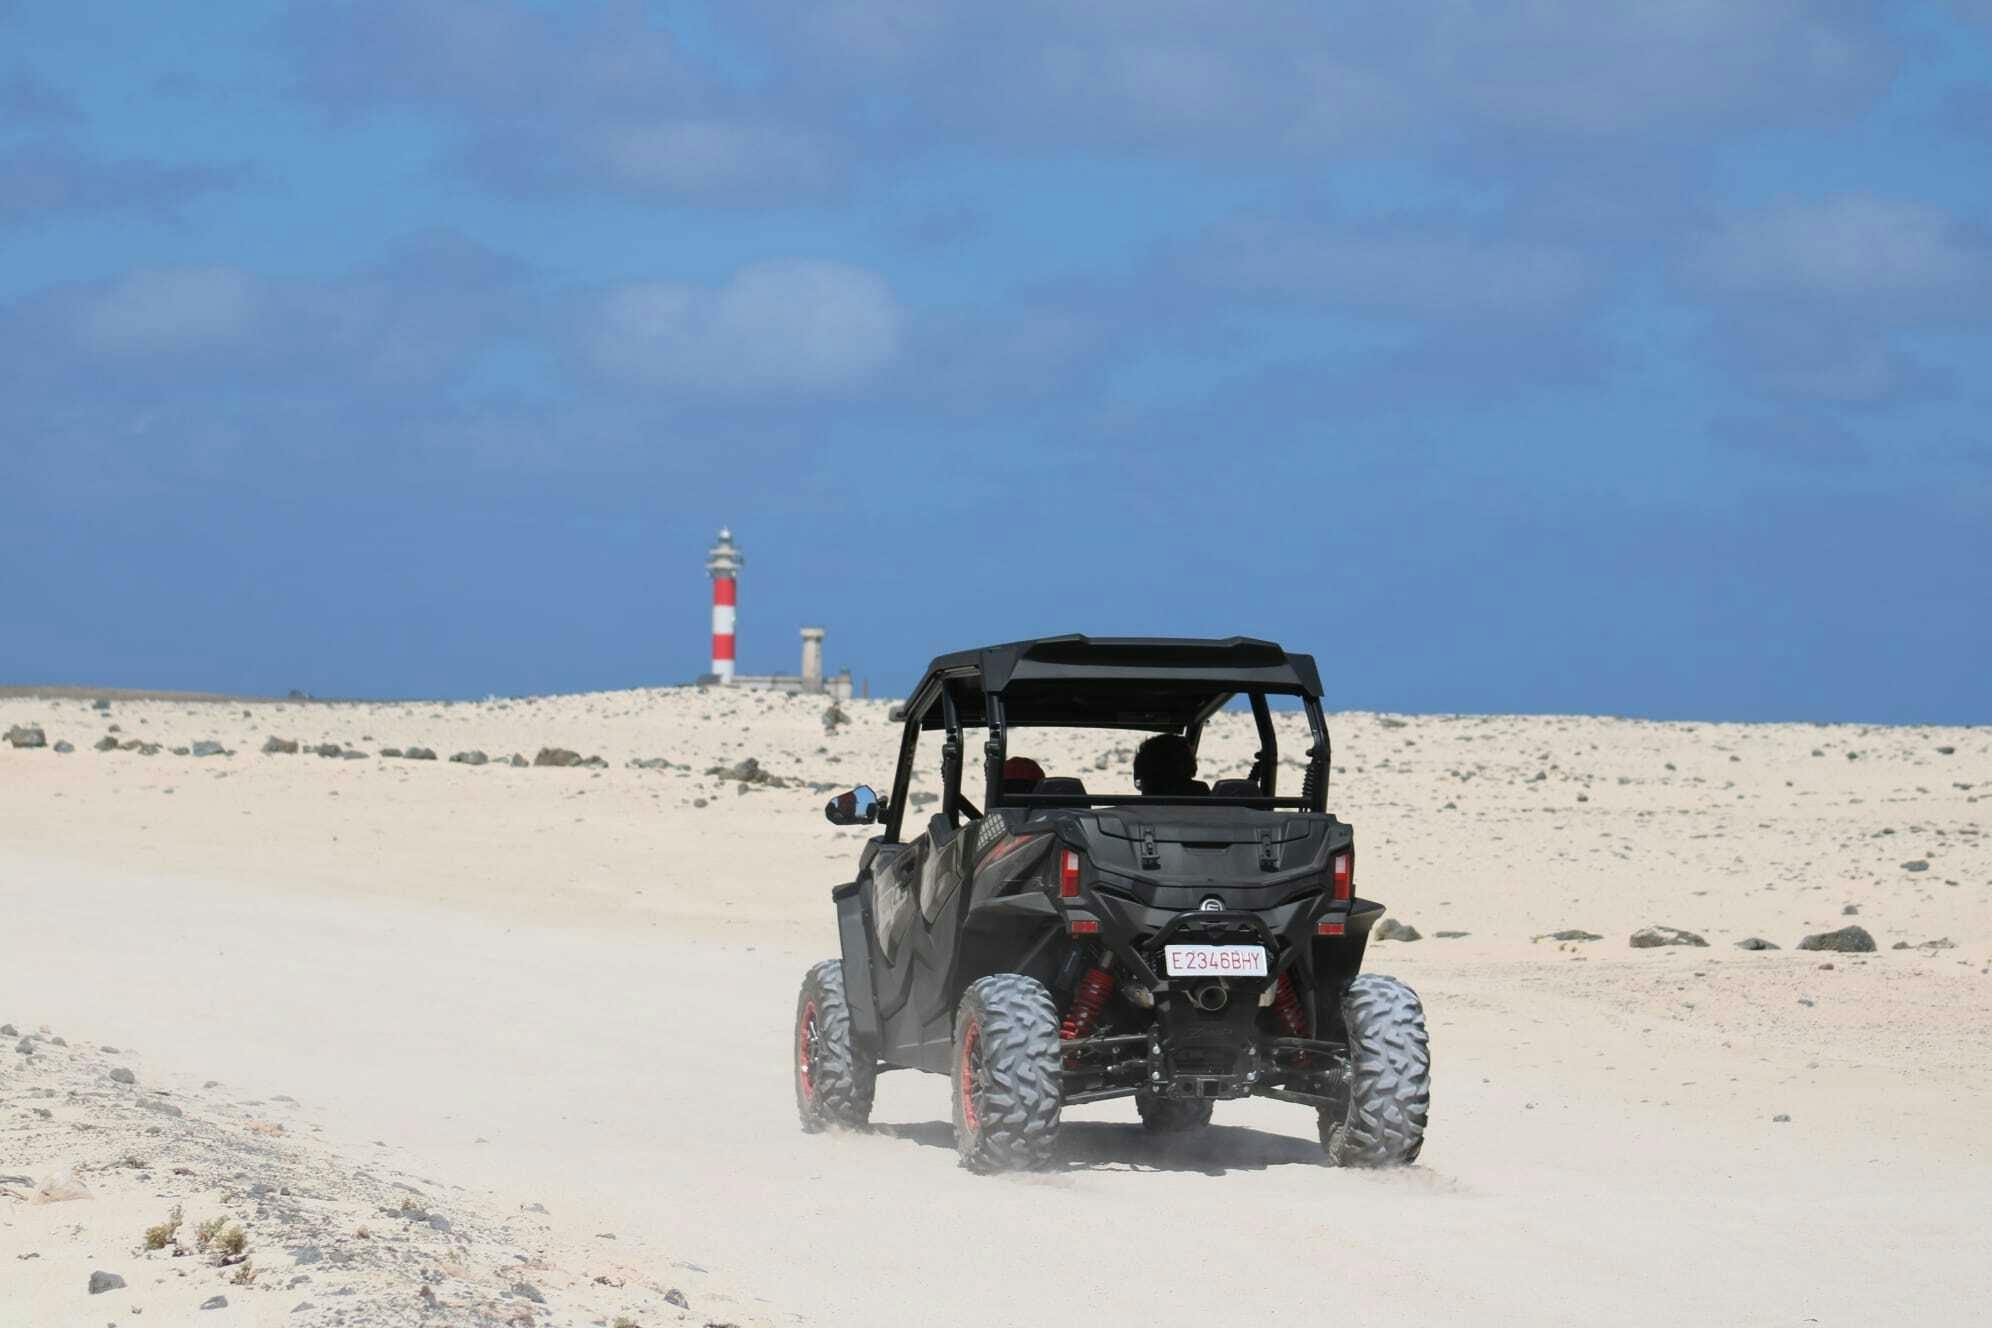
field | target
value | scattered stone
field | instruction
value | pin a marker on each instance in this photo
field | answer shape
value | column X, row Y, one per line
column 26, row 1046
column 275, row 746
column 418, row 754
column 1755, row 943
column 27, row 735
column 833, row 717
column 100, row 704
column 101, row 1282
column 1946, row 751
column 1851, row 939
column 106, row 743
column 677, row 1297
column 1647, row 938
column 1827, row 966
column 1451, row 935
column 556, row 757
column 518, row 762
column 307, row 1254
column 1780, row 1119
column 208, row 747
column 215, row 1303
column 163, row 1108
column 1573, row 934
column 182, row 751
column 63, row 747
column 650, row 763
column 327, row 749
column 123, row 1076
column 353, row 754
column 472, row 757
column 8, row 1030
column 529, row 1292
column 390, row 753
column 1390, row 929
column 1918, row 865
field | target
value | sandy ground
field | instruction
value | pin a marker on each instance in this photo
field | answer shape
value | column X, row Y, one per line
column 574, row 987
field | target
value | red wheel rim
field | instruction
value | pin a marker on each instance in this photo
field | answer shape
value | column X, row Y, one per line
column 971, row 1038
column 805, row 1053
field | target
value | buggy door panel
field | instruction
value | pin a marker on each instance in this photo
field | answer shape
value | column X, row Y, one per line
column 895, row 885
column 940, row 876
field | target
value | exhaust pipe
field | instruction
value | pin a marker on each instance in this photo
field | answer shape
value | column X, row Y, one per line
column 1210, row 997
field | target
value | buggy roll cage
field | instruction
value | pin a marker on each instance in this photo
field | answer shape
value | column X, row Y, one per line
column 1158, row 685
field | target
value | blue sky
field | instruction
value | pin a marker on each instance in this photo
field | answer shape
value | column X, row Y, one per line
column 1544, row 357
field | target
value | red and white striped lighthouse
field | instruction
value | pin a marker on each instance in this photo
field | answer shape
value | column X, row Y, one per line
column 723, row 561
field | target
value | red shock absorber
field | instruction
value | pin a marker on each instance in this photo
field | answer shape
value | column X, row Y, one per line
column 1094, row 988
column 1286, row 1005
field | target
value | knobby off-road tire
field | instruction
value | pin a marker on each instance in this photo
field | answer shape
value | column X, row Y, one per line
column 1007, row 1089
column 1172, row 1115
column 834, row 1077
column 1390, row 1077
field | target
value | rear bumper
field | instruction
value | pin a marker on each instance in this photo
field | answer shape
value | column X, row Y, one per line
column 1121, row 1065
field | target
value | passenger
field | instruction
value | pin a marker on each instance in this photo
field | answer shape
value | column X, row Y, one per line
column 1021, row 774
column 1166, row 767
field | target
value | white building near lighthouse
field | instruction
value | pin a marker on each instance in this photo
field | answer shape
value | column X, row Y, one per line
column 723, row 563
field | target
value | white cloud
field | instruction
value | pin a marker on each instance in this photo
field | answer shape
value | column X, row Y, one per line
column 707, row 158
column 1438, row 274
column 169, row 309
column 1252, row 76
column 782, row 326
column 1884, row 255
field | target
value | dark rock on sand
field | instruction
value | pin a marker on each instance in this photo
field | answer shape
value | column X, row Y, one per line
column 1647, row 938
column 1847, row 940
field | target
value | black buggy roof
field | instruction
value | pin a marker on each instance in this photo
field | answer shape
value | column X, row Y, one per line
column 1159, row 683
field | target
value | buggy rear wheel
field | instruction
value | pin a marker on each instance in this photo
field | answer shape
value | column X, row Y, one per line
column 1390, row 1077
column 1007, row 1085
column 1172, row 1115
column 834, row 1076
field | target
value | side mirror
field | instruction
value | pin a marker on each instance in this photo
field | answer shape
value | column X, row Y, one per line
column 861, row 806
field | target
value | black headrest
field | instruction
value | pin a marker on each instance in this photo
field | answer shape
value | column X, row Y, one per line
column 1236, row 788
column 1061, row 786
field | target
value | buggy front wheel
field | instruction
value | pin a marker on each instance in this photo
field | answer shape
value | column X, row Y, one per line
column 834, row 1075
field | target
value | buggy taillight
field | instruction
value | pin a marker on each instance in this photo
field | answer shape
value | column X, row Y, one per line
column 1068, row 874
column 1345, row 873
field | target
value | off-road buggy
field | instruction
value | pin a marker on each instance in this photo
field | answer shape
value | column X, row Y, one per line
column 1059, row 946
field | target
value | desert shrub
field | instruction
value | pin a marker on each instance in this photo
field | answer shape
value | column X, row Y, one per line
column 159, row 1237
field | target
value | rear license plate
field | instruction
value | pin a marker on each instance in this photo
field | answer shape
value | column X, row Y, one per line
column 1214, row 961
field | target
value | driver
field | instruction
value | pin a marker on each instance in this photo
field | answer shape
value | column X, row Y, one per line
column 1166, row 767
column 1021, row 774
